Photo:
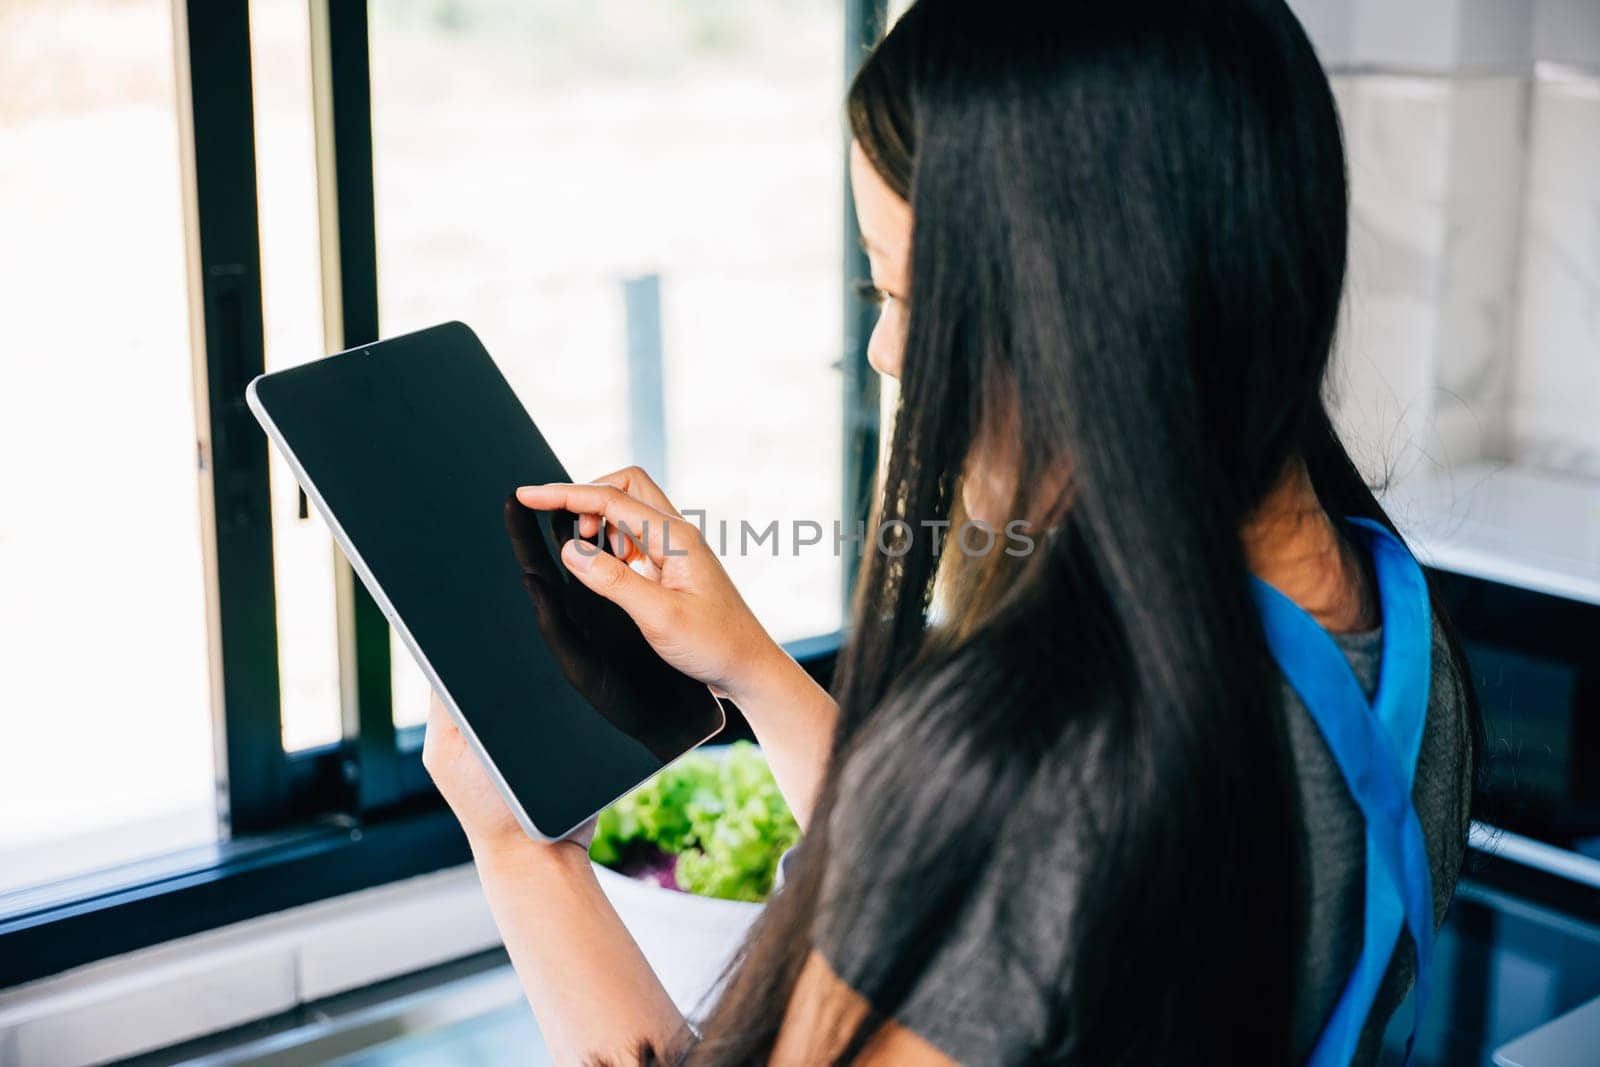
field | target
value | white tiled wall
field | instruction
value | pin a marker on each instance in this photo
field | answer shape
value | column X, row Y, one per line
column 1421, row 364
column 1397, row 138
column 1555, row 390
column 1477, row 297
column 1471, row 327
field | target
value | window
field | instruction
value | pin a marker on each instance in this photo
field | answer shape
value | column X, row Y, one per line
column 103, row 615
column 639, row 206
column 636, row 205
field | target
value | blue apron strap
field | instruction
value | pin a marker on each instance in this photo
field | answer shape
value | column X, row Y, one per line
column 1375, row 747
column 1401, row 703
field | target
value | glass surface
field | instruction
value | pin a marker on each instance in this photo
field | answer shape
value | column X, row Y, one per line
column 1531, row 658
column 638, row 206
column 107, row 752
column 505, row 1037
column 1501, row 967
column 291, row 293
column 416, row 445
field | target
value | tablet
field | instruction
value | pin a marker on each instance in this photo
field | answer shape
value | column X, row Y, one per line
column 411, row 449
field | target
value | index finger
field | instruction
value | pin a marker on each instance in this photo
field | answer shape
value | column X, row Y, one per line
column 658, row 534
column 637, row 483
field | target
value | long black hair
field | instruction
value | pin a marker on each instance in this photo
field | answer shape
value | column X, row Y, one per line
column 1128, row 248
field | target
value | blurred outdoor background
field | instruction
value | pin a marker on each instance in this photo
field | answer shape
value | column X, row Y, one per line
column 530, row 158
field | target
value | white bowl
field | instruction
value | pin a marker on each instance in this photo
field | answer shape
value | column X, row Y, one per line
column 688, row 939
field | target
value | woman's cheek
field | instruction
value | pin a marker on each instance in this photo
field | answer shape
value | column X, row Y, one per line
column 886, row 346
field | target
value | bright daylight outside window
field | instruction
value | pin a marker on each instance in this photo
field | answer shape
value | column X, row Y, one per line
column 108, row 744
column 291, row 305
column 637, row 205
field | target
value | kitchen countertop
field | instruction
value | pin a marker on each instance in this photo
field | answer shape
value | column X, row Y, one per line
column 1505, row 523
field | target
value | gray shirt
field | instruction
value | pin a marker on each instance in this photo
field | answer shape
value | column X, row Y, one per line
column 976, row 1000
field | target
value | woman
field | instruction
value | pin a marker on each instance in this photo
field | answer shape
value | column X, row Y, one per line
column 1097, row 807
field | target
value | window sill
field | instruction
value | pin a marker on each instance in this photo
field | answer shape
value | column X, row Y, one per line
column 47, row 931
column 211, row 981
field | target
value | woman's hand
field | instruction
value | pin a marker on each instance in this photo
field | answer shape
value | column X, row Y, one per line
column 665, row 577
column 472, row 796
column 688, row 610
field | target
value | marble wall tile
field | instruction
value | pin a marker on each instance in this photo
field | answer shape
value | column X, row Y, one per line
column 1555, row 388
column 1477, row 296
column 1420, row 372
column 1397, row 135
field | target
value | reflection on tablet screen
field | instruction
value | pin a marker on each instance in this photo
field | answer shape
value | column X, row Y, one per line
column 598, row 648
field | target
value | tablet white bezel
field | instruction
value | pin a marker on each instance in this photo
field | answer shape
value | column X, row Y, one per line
column 253, row 400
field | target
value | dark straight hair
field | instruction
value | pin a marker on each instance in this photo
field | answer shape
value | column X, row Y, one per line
column 1128, row 250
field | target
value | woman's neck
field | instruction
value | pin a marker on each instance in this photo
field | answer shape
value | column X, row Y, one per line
column 1292, row 544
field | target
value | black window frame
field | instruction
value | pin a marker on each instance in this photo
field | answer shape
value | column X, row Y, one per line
column 302, row 826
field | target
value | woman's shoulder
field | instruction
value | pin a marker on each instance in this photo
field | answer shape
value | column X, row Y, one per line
column 983, row 898
column 1442, row 791
column 954, row 861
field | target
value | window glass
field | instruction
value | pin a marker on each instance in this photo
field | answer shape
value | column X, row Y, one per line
column 291, row 295
column 637, row 205
column 107, row 753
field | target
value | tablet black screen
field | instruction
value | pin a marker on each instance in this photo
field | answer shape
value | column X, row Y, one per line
column 415, row 446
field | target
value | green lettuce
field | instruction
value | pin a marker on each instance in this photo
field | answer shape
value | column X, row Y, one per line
column 724, row 821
